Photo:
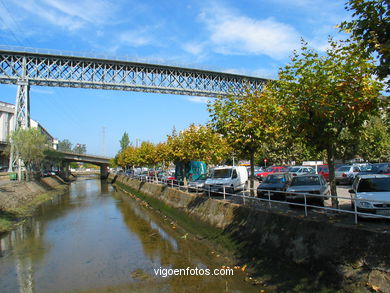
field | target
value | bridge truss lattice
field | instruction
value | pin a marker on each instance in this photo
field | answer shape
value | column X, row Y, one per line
column 26, row 69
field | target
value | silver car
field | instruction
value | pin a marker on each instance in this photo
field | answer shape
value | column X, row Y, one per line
column 198, row 184
column 371, row 194
column 346, row 174
column 301, row 170
column 314, row 186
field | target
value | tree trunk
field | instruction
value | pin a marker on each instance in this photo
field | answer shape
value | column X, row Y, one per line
column 252, row 173
column 183, row 169
column 332, row 180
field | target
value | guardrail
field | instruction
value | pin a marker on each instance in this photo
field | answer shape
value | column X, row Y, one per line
column 247, row 199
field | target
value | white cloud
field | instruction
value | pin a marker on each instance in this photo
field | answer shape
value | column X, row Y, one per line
column 193, row 48
column 92, row 11
column 135, row 38
column 235, row 34
column 69, row 14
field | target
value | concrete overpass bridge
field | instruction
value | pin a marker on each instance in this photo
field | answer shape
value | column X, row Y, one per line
column 68, row 157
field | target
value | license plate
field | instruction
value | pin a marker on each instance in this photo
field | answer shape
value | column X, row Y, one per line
column 383, row 212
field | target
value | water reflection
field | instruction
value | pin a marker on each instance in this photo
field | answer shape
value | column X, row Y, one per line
column 93, row 239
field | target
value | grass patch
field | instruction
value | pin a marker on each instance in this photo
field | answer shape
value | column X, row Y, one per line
column 189, row 224
column 6, row 222
column 9, row 218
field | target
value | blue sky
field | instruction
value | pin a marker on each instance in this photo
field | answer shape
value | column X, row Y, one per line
column 251, row 37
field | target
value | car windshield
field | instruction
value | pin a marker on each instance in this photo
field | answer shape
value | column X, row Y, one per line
column 275, row 179
column 374, row 184
column 323, row 169
column 305, row 180
column 222, row 173
column 269, row 169
column 343, row 169
column 295, row 169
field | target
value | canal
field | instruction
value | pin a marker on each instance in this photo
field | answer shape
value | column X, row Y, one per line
column 95, row 239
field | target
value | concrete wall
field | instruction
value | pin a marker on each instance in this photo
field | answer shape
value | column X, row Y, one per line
column 346, row 252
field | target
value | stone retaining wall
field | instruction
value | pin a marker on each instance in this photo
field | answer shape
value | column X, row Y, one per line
column 346, row 252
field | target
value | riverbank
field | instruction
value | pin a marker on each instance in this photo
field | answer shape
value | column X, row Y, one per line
column 18, row 200
column 290, row 253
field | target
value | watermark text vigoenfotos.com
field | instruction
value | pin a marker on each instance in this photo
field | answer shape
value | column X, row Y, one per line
column 167, row 272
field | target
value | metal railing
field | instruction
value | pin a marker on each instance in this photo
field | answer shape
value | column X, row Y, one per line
column 245, row 197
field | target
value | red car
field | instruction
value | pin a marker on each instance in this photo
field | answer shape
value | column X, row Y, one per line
column 324, row 171
column 270, row 170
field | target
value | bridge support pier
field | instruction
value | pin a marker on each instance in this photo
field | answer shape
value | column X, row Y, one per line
column 104, row 171
column 65, row 171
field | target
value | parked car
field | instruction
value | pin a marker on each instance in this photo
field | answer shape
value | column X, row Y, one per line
column 274, row 182
column 381, row 168
column 346, row 174
column 232, row 178
column 270, row 170
column 371, row 194
column 168, row 178
column 198, row 184
column 301, row 170
column 324, row 171
column 314, row 185
column 143, row 175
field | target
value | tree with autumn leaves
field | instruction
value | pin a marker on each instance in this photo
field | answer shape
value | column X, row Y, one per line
column 324, row 95
column 249, row 122
column 196, row 143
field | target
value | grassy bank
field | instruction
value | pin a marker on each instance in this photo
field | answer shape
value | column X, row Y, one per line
column 189, row 224
column 10, row 217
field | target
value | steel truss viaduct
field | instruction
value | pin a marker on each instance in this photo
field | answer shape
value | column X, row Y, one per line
column 25, row 69
column 43, row 69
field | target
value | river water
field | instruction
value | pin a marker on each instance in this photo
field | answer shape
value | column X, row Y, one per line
column 94, row 239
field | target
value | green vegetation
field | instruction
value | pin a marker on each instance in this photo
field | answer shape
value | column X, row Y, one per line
column 324, row 95
column 80, row 148
column 65, row 145
column 125, row 141
column 370, row 26
column 29, row 145
column 245, row 122
column 11, row 217
column 197, row 142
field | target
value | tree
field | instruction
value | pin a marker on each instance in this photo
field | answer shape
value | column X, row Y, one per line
column 128, row 157
column 374, row 145
column 370, row 25
column 125, row 141
column 80, row 148
column 248, row 122
column 29, row 144
column 197, row 143
column 147, row 155
column 65, row 145
column 162, row 153
column 323, row 95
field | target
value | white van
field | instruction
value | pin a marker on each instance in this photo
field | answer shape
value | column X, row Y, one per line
column 233, row 178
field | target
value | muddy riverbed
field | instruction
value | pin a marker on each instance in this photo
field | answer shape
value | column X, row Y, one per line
column 95, row 239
